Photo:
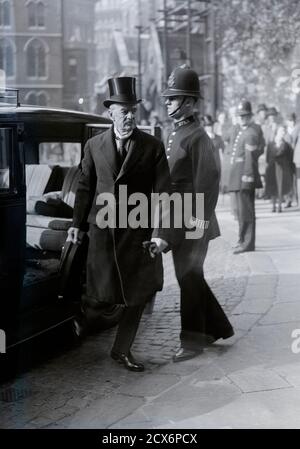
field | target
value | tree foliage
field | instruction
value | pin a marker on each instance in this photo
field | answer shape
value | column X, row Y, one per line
column 256, row 40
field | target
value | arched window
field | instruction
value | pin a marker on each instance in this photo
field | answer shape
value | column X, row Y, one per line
column 42, row 99
column 4, row 13
column 36, row 59
column 7, row 57
column 37, row 98
column 36, row 14
column 31, row 98
column 40, row 14
column 31, row 14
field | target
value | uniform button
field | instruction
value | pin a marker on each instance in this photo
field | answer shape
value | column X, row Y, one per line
column 170, row 141
column 173, row 133
column 168, row 157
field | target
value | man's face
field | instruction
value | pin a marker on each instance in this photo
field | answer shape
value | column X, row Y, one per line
column 208, row 129
column 262, row 115
column 244, row 120
column 123, row 117
column 174, row 105
column 271, row 119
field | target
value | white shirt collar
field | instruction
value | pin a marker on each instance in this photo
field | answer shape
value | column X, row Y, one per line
column 122, row 136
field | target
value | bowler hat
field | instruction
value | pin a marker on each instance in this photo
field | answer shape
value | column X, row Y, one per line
column 261, row 107
column 244, row 108
column 122, row 91
column 272, row 111
column 183, row 81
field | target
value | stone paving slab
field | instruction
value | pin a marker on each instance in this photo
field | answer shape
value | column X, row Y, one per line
column 260, row 263
column 149, row 385
column 255, row 306
column 244, row 322
column 271, row 343
column 290, row 372
column 288, row 292
column 102, row 413
column 259, row 410
column 197, row 397
column 283, row 313
column 257, row 379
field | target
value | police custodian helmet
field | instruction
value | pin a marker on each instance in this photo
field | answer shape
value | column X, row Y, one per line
column 183, row 81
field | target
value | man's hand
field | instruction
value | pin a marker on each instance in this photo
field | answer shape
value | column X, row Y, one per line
column 75, row 235
column 161, row 245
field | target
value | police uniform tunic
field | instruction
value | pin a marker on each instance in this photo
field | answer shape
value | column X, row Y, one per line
column 193, row 169
column 247, row 146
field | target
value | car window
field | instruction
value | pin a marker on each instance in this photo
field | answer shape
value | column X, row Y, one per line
column 61, row 153
column 5, row 139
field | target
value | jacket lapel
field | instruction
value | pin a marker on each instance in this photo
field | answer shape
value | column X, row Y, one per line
column 134, row 154
column 109, row 151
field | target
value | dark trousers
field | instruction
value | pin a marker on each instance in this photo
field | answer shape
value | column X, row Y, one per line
column 246, row 216
column 202, row 316
column 127, row 328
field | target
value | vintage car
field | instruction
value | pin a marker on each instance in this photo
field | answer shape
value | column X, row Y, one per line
column 42, row 276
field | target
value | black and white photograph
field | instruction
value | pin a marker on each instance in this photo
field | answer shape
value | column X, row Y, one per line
column 149, row 217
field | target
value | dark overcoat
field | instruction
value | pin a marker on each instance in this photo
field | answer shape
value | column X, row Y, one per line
column 119, row 270
column 279, row 172
column 247, row 144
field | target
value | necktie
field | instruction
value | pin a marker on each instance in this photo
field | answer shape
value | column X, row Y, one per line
column 122, row 150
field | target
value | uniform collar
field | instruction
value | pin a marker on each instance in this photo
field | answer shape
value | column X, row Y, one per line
column 185, row 121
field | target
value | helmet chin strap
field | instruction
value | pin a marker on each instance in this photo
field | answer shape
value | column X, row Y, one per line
column 179, row 107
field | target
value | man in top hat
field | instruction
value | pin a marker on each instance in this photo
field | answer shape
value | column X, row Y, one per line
column 193, row 170
column 119, row 269
column 247, row 145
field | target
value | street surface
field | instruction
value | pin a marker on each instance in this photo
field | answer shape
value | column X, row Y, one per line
column 251, row 380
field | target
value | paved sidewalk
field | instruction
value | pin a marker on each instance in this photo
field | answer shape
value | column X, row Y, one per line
column 249, row 381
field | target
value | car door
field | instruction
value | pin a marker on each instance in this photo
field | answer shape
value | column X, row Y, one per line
column 12, row 222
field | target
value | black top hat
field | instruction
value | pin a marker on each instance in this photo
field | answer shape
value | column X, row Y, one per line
column 272, row 111
column 261, row 107
column 122, row 91
column 183, row 81
column 244, row 108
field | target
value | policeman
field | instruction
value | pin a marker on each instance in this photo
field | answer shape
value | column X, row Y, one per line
column 193, row 169
column 247, row 145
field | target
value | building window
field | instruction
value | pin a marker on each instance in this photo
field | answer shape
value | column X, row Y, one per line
column 4, row 13
column 31, row 98
column 36, row 14
column 42, row 99
column 7, row 57
column 37, row 98
column 36, row 59
column 40, row 14
column 72, row 68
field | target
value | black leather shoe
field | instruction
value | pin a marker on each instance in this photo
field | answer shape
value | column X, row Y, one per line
column 128, row 361
column 186, row 354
